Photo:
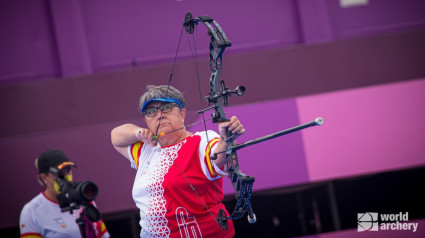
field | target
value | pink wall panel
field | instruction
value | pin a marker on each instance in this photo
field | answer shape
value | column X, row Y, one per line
column 366, row 130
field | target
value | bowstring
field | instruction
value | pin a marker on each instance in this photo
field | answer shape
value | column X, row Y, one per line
column 195, row 59
column 171, row 76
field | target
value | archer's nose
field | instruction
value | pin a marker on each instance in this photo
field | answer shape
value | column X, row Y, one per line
column 160, row 115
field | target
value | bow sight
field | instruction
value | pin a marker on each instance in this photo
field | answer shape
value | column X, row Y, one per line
column 224, row 93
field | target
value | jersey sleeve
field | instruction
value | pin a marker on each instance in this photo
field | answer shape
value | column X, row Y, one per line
column 206, row 147
column 28, row 225
column 134, row 152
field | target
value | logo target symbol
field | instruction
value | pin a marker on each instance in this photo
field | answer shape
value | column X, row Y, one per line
column 367, row 221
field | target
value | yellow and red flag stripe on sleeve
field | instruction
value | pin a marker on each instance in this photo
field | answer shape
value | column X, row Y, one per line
column 31, row 235
column 135, row 150
column 207, row 158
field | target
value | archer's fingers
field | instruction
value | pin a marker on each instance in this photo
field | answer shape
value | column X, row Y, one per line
column 145, row 135
column 239, row 130
column 149, row 138
column 235, row 126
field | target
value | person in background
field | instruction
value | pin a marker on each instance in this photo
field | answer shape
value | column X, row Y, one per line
column 178, row 187
column 42, row 216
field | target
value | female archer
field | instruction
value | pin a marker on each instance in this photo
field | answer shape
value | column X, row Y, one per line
column 178, row 187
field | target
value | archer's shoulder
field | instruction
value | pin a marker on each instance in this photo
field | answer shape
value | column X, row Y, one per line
column 206, row 135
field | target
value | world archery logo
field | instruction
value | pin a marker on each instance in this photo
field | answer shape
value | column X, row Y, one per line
column 367, row 221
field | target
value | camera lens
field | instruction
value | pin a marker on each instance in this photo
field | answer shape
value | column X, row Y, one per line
column 89, row 191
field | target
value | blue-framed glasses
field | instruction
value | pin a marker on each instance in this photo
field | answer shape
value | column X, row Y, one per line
column 167, row 107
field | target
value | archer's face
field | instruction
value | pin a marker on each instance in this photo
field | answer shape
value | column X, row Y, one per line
column 168, row 117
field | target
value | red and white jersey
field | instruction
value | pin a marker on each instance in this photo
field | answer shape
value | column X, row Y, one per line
column 162, row 188
column 42, row 217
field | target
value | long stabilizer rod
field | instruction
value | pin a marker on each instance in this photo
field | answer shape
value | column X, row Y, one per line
column 317, row 122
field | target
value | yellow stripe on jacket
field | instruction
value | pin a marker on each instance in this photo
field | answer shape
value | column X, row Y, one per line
column 135, row 150
column 208, row 161
column 31, row 235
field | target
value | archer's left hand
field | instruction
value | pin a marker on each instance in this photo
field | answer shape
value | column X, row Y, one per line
column 234, row 126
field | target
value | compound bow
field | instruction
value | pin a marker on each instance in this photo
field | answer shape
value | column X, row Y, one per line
column 218, row 98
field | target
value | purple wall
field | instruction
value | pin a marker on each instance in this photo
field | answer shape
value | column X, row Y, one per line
column 379, row 16
column 27, row 44
column 69, row 44
column 283, row 73
column 49, row 39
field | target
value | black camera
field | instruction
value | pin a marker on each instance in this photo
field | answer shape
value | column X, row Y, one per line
column 74, row 195
column 77, row 192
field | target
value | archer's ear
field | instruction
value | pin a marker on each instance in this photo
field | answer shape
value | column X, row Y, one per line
column 41, row 179
column 183, row 112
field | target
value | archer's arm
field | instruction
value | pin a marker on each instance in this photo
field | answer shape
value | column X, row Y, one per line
column 128, row 134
